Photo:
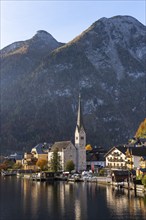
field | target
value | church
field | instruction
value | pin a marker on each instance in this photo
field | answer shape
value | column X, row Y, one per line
column 69, row 151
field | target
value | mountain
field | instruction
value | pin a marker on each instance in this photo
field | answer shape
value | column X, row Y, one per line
column 41, row 80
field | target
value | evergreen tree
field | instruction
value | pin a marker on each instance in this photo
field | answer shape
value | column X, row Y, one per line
column 69, row 165
column 55, row 161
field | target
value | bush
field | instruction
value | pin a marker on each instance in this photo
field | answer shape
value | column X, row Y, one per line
column 69, row 165
column 101, row 172
column 144, row 180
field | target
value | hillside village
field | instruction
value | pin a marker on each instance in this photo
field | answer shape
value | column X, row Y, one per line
column 129, row 156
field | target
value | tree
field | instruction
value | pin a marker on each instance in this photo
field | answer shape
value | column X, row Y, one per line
column 141, row 132
column 42, row 164
column 55, row 163
column 69, row 165
column 88, row 147
column 102, row 172
column 144, row 180
column 17, row 166
column 7, row 164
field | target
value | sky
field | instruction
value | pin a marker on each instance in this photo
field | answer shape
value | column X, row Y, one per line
column 64, row 20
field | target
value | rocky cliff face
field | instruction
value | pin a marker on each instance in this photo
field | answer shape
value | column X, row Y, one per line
column 41, row 80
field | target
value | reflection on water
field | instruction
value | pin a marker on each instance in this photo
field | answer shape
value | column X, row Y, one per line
column 25, row 199
column 123, row 201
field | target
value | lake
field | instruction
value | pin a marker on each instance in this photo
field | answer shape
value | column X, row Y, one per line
column 23, row 199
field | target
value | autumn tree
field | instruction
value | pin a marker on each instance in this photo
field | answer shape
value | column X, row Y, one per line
column 141, row 132
column 88, row 147
column 42, row 164
column 69, row 166
column 7, row 164
column 55, row 163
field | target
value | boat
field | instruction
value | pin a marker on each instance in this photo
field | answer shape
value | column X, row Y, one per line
column 8, row 173
column 43, row 176
column 75, row 178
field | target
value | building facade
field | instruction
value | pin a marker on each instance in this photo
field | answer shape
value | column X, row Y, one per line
column 116, row 157
column 66, row 151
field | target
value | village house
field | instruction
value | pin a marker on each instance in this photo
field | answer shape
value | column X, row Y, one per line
column 40, row 151
column 116, row 157
column 143, row 162
column 134, row 157
column 29, row 161
column 95, row 158
column 16, row 157
column 126, row 157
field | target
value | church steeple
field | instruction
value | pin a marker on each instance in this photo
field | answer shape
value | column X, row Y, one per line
column 80, row 135
column 80, row 123
column 80, row 140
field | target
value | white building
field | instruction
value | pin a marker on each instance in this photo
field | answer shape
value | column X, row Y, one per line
column 125, row 157
column 116, row 157
column 66, row 151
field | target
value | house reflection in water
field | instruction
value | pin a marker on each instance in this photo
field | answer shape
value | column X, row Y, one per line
column 124, row 201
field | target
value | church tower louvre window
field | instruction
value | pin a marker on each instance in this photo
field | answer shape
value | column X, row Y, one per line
column 80, row 139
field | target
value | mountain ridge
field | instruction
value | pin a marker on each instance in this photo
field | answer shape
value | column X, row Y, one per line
column 105, row 63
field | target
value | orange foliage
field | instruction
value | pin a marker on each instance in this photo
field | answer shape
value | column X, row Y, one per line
column 141, row 132
column 42, row 164
column 88, row 147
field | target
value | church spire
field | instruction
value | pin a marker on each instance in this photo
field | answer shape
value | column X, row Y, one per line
column 80, row 140
column 79, row 116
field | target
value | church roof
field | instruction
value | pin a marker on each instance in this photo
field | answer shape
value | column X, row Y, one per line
column 60, row 145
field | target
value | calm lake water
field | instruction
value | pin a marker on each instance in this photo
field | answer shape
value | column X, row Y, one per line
column 23, row 199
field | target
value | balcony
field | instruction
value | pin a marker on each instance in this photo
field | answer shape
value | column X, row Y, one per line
column 116, row 154
column 116, row 160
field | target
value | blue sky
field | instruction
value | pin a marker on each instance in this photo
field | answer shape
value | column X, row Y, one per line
column 64, row 20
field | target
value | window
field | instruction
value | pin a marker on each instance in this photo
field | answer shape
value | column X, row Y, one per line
column 76, row 138
column 82, row 138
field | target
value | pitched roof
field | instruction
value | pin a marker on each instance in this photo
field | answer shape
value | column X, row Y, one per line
column 120, row 148
column 41, row 148
column 94, row 156
column 16, row 157
column 60, row 145
column 136, row 151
